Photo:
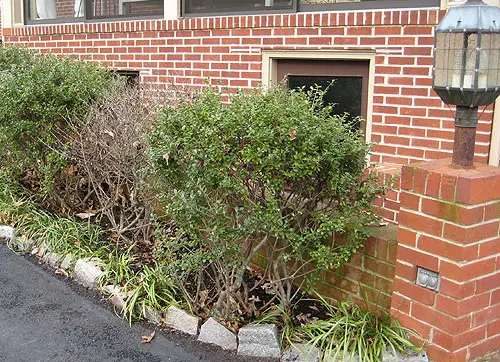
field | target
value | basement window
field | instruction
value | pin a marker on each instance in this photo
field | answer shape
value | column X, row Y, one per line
column 131, row 76
column 352, row 74
column 345, row 83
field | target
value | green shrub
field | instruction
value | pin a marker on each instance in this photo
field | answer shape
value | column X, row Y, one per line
column 37, row 94
column 271, row 172
column 11, row 57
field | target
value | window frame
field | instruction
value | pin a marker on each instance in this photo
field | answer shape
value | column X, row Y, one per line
column 270, row 60
column 330, row 69
column 9, row 11
column 181, row 6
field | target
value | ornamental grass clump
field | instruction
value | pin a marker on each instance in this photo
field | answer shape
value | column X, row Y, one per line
column 349, row 331
column 273, row 173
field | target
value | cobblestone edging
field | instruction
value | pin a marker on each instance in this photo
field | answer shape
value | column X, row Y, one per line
column 252, row 341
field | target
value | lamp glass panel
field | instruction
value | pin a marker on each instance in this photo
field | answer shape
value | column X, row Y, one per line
column 456, row 57
column 469, row 61
column 489, row 61
column 440, row 59
column 448, row 59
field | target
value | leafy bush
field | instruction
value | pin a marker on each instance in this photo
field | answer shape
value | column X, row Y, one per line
column 273, row 172
column 37, row 94
column 12, row 206
column 11, row 57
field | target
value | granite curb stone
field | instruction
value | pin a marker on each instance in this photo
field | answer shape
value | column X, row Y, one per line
column 153, row 315
column 215, row 333
column 259, row 341
column 67, row 261
column 53, row 259
column 388, row 356
column 301, row 352
column 182, row 321
column 6, row 233
column 88, row 272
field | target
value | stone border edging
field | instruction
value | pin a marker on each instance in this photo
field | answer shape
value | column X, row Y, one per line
column 252, row 340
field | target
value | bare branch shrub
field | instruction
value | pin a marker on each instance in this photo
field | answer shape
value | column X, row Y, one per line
column 108, row 154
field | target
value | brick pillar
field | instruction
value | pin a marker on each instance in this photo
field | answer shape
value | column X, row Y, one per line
column 449, row 224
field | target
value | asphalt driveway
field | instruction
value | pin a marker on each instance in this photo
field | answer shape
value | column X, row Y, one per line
column 47, row 318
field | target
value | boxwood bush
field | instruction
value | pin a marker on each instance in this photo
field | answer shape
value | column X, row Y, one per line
column 271, row 173
column 37, row 95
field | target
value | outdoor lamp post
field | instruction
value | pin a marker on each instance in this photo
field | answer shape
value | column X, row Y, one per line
column 466, row 69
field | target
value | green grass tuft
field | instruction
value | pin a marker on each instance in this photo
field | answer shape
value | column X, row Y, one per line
column 349, row 330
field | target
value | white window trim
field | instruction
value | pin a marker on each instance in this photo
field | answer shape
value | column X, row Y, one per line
column 172, row 9
column 494, row 159
column 269, row 70
column 12, row 7
column 6, row 9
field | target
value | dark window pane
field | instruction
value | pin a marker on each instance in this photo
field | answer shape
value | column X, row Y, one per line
column 347, row 1
column 132, row 76
column 55, row 9
column 222, row 6
column 67, row 9
column 117, row 8
column 345, row 93
column 337, row 1
column 315, row 5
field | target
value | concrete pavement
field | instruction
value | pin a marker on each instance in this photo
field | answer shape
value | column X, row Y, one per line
column 46, row 318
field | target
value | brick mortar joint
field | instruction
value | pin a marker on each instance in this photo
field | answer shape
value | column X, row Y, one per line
column 467, row 299
column 223, row 22
column 451, row 261
column 365, row 286
column 427, row 323
column 455, row 243
column 367, row 271
column 420, row 213
column 357, row 294
column 462, row 205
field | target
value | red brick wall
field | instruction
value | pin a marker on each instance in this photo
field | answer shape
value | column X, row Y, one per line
column 409, row 122
column 449, row 224
column 389, row 205
column 368, row 277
